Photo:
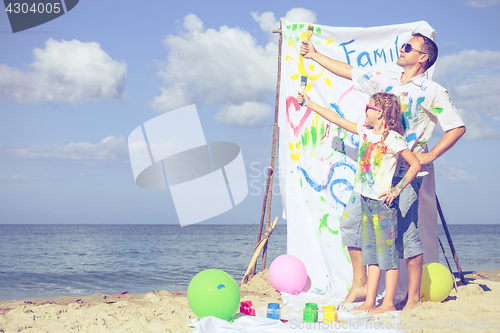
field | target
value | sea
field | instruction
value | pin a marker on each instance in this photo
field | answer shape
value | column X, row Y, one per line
column 44, row 261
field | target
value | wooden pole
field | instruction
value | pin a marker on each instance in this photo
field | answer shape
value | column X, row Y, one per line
column 273, row 149
column 449, row 266
column 445, row 227
column 264, row 202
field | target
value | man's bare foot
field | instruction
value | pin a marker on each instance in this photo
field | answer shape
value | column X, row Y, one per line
column 365, row 306
column 383, row 308
column 407, row 304
column 356, row 294
column 412, row 305
column 401, row 305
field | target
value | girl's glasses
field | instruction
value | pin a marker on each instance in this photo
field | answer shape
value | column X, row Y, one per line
column 373, row 107
column 408, row 48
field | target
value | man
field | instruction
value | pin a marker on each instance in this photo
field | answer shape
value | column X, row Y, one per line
column 424, row 103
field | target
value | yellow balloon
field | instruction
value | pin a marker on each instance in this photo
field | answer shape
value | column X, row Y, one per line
column 436, row 284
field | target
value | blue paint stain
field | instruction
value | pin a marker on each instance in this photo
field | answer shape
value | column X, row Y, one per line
column 220, row 286
column 355, row 140
column 420, row 100
column 366, row 77
column 329, row 183
column 407, row 115
column 388, row 89
column 411, row 137
column 337, row 109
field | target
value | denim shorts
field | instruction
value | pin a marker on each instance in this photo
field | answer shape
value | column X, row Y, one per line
column 350, row 222
column 408, row 242
column 379, row 231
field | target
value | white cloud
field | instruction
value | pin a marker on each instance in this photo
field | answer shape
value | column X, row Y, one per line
column 110, row 148
column 68, row 71
column 471, row 78
column 268, row 22
column 476, row 129
column 482, row 3
column 223, row 67
column 301, row 15
column 246, row 114
column 215, row 67
column 172, row 97
column 454, row 172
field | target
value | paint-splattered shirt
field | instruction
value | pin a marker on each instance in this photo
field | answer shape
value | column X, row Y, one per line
column 376, row 162
column 423, row 104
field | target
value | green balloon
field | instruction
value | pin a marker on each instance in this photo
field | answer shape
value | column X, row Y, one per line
column 213, row 292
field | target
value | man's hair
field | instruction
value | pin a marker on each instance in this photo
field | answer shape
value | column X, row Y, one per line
column 430, row 48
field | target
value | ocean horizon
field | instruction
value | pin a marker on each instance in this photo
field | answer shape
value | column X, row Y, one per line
column 51, row 260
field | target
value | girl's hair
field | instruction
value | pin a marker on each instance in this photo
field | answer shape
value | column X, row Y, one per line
column 391, row 113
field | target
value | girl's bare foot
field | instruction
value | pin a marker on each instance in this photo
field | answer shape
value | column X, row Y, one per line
column 365, row 306
column 383, row 308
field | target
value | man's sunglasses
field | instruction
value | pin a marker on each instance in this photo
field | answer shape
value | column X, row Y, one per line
column 408, row 48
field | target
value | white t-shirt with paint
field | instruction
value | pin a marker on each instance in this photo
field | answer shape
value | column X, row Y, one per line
column 376, row 162
column 423, row 104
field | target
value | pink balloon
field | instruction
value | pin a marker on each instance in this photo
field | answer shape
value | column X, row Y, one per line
column 288, row 274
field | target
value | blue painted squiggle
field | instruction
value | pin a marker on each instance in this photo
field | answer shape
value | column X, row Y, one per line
column 337, row 109
column 329, row 183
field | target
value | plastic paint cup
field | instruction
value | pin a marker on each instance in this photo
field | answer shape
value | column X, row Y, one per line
column 273, row 311
column 330, row 314
column 310, row 313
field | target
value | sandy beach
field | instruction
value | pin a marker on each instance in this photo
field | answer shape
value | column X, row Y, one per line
column 474, row 307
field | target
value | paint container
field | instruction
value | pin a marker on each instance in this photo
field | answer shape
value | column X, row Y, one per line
column 273, row 311
column 310, row 313
column 330, row 314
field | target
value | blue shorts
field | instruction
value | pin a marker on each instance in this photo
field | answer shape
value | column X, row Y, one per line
column 379, row 230
column 350, row 222
column 408, row 242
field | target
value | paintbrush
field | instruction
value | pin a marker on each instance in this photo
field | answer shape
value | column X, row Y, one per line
column 303, row 85
column 310, row 30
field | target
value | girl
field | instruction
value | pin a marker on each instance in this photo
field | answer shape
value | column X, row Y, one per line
column 379, row 148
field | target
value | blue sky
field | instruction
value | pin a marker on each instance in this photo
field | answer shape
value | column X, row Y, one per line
column 63, row 142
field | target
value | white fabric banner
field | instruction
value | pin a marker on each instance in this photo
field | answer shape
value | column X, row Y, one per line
column 317, row 159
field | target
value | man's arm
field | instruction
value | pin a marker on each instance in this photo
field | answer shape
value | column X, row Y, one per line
column 339, row 68
column 447, row 141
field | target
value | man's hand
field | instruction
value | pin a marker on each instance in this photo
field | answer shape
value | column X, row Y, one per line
column 307, row 49
column 425, row 158
column 449, row 138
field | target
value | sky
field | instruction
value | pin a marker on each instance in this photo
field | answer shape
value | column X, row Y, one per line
column 73, row 89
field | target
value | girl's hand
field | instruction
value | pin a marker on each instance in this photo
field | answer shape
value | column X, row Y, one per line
column 303, row 98
column 389, row 195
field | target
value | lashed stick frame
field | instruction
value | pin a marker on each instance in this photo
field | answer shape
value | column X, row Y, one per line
column 266, row 204
column 258, row 248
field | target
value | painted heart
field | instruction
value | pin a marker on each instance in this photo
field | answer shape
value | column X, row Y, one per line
column 295, row 120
